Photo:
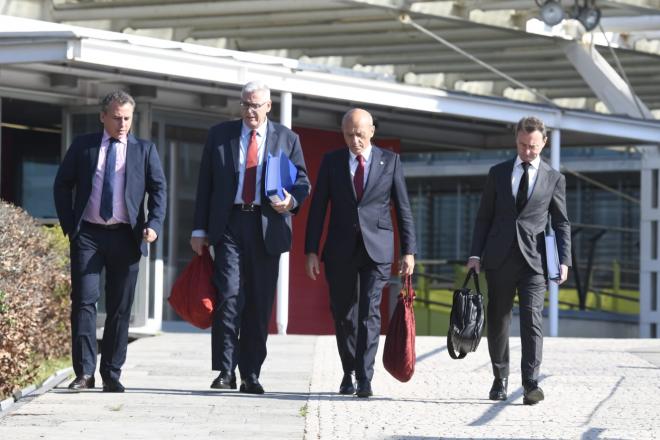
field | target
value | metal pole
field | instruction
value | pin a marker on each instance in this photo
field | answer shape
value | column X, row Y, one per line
column 282, row 312
column 553, row 300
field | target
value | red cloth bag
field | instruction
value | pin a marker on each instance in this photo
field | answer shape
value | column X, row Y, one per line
column 399, row 351
column 193, row 295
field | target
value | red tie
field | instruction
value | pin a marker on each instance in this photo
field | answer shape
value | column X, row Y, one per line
column 358, row 178
column 250, row 177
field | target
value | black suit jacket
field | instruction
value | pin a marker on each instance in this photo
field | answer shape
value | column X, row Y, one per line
column 218, row 183
column 498, row 222
column 144, row 175
column 372, row 216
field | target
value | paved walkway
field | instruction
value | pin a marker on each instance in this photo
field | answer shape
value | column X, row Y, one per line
column 595, row 389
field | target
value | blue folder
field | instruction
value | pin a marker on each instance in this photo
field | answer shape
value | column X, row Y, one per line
column 281, row 174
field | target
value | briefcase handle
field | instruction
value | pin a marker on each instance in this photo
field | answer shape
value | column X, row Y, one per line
column 472, row 273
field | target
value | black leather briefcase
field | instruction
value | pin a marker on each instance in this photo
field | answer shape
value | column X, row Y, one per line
column 466, row 322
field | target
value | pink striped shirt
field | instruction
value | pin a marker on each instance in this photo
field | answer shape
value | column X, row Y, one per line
column 119, row 211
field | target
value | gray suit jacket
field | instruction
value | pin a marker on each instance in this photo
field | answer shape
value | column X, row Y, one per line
column 498, row 222
column 371, row 217
column 218, row 183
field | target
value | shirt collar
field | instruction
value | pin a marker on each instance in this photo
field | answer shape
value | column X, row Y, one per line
column 261, row 130
column 106, row 138
column 366, row 153
column 534, row 164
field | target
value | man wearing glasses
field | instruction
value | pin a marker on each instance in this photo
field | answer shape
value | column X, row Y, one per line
column 247, row 231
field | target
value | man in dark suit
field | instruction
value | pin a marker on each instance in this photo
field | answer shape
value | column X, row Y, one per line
column 508, row 242
column 99, row 194
column 247, row 230
column 360, row 183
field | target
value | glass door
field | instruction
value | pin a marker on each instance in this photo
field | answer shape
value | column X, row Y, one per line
column 181, row 139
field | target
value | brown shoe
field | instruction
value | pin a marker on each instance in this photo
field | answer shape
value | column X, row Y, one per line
column 83, row 382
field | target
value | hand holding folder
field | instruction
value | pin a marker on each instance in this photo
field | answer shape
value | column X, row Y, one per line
column 281, row 174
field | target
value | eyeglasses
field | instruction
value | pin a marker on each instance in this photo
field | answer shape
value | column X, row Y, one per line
column 252, row 105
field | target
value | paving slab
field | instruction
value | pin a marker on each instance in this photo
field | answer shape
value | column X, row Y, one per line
column 595, row 389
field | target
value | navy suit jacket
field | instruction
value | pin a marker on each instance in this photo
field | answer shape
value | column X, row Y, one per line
column 144, row 175
column 218, row 182
column 371, row 217
column 498, row 223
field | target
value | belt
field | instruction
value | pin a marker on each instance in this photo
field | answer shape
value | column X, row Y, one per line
column 110, row 227
column 246, row 207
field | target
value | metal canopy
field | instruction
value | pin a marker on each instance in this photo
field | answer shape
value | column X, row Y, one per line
column 366, row 35
column 424, row 119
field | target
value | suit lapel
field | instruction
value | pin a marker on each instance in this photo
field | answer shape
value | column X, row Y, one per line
column 375, row 170
column 132, row 160
column 94, row 154
column 505, row 183
column 345, row 172
column 540, row 183
column 270, row 148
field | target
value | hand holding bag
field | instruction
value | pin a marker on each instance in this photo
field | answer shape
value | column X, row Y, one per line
column 399, row 351
column 193, row 295
column 466, row 322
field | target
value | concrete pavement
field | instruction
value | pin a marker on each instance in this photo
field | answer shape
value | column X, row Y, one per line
column 595, row 389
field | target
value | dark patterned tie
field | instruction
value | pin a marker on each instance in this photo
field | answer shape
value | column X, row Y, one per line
column 523, row 188
column 250, row 176
column 108, row 180
column 358, row 178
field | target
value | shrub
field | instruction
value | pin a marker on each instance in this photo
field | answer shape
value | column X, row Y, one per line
column 34, row 296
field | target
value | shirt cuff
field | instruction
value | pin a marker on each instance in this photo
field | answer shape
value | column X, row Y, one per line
column 198, row 233
column 474, row 257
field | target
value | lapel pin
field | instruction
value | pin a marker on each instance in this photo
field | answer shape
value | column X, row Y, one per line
column 382, row 163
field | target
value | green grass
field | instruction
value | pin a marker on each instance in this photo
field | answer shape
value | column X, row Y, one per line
column 45, row 369
column 434, row 319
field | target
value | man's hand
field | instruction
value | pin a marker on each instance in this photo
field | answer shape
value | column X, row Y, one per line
column 197, row 244
column 407, row 264
column 285, row 205
column 312, row 265
column 474, row 263
column 149, row 235
column 564, row 273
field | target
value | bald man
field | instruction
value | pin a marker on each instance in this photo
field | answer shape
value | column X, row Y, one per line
column 360, row 183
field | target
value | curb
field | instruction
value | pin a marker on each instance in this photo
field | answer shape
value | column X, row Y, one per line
column 35, row 390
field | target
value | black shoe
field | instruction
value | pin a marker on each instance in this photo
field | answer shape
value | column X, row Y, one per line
column 364, row 388
column 224, row 381
column 251, row 385
column 83, row 382
column 532, row 393
column 347, row 386
column 498, row 390
column 112, row 386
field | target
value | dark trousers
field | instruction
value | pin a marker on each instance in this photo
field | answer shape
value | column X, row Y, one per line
column 356, row 286
column 515, row 276
column 245, row 277
column 92, row 250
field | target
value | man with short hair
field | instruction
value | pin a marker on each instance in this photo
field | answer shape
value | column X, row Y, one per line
column 99, row 193
column 360, row 182
column 509, row 243
column 247, row 230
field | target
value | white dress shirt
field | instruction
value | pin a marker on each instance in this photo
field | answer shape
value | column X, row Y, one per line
column 517, row 173
column 353, row 164
column 246, row 133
